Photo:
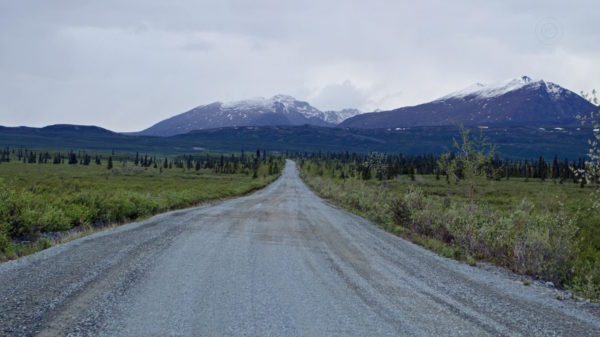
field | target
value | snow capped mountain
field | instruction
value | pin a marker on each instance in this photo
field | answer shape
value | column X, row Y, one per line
column 277, row 104
column 336, row 117
column 519, row 102
column 277, row 110
column 483, row 91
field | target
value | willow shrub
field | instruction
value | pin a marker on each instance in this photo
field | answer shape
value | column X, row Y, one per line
column 536, row 242
column 541, row 244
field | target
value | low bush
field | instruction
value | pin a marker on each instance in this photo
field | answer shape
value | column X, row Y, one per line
column 53, row 218
column 546, row 246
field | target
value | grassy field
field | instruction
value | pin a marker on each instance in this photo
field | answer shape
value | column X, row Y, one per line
column 37, row 200
column 539, row 228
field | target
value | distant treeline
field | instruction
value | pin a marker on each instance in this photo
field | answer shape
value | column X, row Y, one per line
column 363, row 166
column 388, row 166
column 230, row 163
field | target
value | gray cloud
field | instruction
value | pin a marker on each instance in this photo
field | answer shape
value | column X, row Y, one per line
column 127, row 64
column 330, row 97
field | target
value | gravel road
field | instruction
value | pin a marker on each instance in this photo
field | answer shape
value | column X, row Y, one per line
column 280, row 262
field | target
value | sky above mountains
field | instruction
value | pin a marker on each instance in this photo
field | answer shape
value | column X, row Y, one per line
column 125, row 65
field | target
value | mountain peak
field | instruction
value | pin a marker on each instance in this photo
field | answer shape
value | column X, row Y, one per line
column 263, row 103
column 486, row 91
column 283, row 98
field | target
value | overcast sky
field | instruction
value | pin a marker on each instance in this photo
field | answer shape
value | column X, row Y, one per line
column 125, row 65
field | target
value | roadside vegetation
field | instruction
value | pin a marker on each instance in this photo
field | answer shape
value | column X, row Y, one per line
column 45, row 195
column 538, row 218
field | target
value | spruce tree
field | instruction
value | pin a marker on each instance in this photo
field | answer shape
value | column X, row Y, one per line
column 86, row 159
column 565, row 170
column 555, row 169
column 72, row 158
column 542, row 172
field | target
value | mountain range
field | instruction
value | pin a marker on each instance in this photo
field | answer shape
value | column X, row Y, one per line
column 521, row 102
column 525, row 118
column 277, row 110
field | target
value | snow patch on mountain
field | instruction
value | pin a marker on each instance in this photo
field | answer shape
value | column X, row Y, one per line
column 336, row 117
column 278, row 103
column 285, row 104
column 484, row 91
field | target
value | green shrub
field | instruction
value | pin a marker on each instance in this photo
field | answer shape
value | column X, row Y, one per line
column 53, row 218
column 586, row 280
column 497, row 240
column 25, row 221
column 43, row 243
column 546, row 247
column 414, row 198
column 76, row 214
column 401, row 212
column 4, row 241
column 4, row 218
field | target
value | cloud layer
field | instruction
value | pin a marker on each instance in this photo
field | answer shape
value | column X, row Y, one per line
column 125, row 65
